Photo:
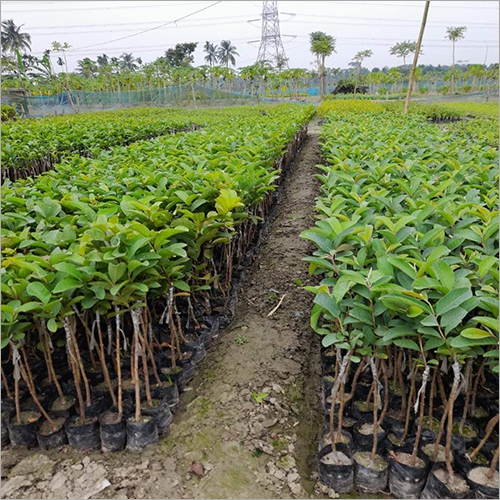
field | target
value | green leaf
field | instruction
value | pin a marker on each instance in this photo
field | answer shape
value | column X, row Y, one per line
column 29, row 306
column 402, row 265
column 116, row 271
column 182, row 285
column 463, row 342
column 475, row 333
column 486, row 264
column 406, row 344
column 452, row 318
column 433, row 343
column 68, row 268
column 39, row 291
column 452, row 300
column 66, row 284
column 325, row 301
column 52, row 325
column 444, row 274
column 488, row 322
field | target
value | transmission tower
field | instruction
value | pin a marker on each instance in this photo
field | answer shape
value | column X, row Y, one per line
column 271, row 46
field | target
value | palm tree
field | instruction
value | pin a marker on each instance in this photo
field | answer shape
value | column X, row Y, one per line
column 454, row 33
column 226, row 53
column 129, row 62
column 103, row 60
column 212, row 51
column 322, row 46
column 13, row 39
column 86, row 67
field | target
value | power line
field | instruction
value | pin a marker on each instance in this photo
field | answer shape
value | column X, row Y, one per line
column 57, row 27
column 72, row 9
column 72, row 32
column 31, row 28
column 150, row 29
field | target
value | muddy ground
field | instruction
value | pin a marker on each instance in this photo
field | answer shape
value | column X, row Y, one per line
column 252, row 415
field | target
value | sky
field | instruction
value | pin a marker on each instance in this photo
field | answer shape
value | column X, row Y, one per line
column 92, row 27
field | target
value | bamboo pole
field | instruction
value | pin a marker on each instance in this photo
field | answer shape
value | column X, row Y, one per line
column 415, row 59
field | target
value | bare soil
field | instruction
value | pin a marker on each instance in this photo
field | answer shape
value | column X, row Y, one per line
column 59, row 405
column 46, row 428
column 455, row 483
column 367, row 429
column 337, row 458
column 428, row 449
column 405, row 459
column 251, row 416
column 480, row 476
column 364, row 458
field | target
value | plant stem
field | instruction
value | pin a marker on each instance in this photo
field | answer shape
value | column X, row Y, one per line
column 493, row 465
column 410, row 397
column 355, row 380
column 74, row 368
column 145, row 370
column 489, row 429
column 335, row 389
column 425, row 377
column 135, row 319
column 431, row 397
column 402, row 385
column 118, row 362
column 26, row 374
column 15, row 361
column 79, row 364
column 453, row 395
column 102, row 359
column 375, row 407
column 476, row 384
column 6, row 385
column 468, row 379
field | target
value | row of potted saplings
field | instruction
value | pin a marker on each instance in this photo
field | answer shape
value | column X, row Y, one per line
column 417, row 431
column 118, row 393
column 121, row 391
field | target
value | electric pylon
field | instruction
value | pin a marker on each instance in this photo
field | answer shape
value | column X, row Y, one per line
column 271, row 46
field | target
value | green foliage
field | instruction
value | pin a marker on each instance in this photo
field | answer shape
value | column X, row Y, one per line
column 135, row 222
column 407, row 236
column 8, row 112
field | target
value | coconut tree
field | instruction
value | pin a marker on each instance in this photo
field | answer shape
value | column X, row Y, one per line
column 212, row 51
column 226, row 53
column 129, row 62
column 12, row 39
column 454, row 33
column 322, row 46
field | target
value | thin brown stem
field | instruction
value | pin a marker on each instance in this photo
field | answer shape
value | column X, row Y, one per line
column 453, row 395
column 375, row 408
column 431, row 397
column 6, row 385
column 410, row 398
column 468, row 378
column 494, row 463
column 476, row 385
column 135, row 319
column 118, row 362
column 102, row 359
column 425, row 376
column 490, row 426
column 31, row 388
column 355, row 380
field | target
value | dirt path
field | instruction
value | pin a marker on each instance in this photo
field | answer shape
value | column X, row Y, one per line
column 251, row 415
